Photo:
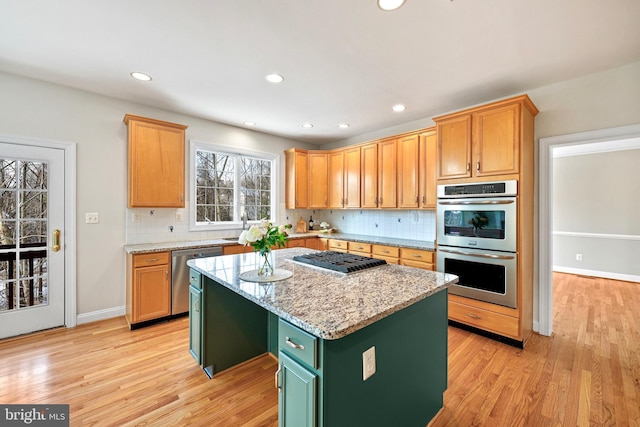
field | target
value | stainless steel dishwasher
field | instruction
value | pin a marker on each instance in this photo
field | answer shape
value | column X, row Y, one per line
column 180, row 275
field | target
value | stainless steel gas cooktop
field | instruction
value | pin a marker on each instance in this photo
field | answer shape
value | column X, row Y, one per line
column 338, row 261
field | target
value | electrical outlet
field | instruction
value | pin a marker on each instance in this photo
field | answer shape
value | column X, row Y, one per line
column 578, row 257
column 92, row 217
column 135, row 217
column 368, row 363
column 179, row 216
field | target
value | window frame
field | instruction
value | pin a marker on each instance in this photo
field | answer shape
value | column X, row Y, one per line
column 196, row 145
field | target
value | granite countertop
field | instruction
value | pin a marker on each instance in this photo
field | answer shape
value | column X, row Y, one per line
column 326, row 304
column 193, row 244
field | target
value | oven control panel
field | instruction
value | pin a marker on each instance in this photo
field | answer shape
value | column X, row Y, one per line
column 480, row 189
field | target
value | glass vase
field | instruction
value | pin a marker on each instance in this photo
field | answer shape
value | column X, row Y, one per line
column 265, row 263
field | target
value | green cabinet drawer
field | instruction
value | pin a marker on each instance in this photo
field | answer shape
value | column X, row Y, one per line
column 298, row 343
column 194, row 279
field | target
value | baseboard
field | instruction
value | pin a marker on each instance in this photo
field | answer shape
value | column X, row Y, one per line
column 94, row 316
column 595, row 273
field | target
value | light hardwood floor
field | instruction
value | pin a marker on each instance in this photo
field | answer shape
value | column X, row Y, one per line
column 587, row 373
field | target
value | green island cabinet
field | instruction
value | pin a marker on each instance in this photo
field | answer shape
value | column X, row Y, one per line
column 320, row 381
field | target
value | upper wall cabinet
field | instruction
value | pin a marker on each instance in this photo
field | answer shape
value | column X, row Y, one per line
column 344, row 178
column 318, row 180
column 483, row 141
column 296, row 179
column 427, row 178
column 155, row 163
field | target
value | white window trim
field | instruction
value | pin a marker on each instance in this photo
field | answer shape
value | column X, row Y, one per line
column 195, row 145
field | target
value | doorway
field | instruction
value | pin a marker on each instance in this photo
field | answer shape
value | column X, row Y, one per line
column 34, row 233
column 626, row 135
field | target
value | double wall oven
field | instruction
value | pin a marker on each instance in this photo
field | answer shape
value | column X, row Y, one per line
column 477, row 239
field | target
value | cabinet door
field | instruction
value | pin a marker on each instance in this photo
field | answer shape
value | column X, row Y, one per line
column 155, row 163
column 496, row 141
column 387, row 179
column 296, row 179
column 336, row 179
column 427, row 189
column 352, row 177
column 195, row 323
column 152, row 293
column 369, row 177
column 408, row 159
column 318, row 181
column 297, row 398
column 454, row 147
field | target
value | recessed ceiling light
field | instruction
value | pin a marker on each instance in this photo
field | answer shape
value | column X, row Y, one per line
column 250, row 123
column 141, row 76
column 307, row 125
column 274, row 78
column 398, row 108
column 343, row 125
column 389, row 5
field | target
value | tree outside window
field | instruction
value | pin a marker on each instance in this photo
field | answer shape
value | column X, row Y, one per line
column 228, row 184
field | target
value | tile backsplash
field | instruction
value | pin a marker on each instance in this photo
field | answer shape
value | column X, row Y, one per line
column 401, row 224
column 172, row 225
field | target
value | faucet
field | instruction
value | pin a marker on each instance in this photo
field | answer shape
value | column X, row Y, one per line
column 245, row 218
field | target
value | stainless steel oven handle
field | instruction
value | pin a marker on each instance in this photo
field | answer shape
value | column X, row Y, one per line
column 476, row 202
column 477, row 255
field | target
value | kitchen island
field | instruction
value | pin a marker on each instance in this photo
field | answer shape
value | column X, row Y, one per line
column 320, row 324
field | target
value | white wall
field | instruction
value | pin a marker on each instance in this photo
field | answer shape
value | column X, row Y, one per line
column 34, row 108
column 596, row 200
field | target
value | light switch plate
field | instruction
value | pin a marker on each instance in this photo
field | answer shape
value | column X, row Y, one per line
column 92, row 217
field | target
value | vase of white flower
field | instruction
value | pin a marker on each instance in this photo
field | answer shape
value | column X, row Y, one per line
column 263, row 238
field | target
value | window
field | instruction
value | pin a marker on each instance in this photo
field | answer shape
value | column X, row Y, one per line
column 227, row 184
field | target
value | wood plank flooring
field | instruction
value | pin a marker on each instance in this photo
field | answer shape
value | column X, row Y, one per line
column 587, row 373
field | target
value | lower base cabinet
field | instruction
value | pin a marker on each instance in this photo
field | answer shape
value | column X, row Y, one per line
column 195, row 323
column 297, row 393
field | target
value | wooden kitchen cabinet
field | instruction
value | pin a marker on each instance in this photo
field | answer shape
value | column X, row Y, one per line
column 408, row 171
column 484, row 141
column 148, row 287
column 358, row 248
column 236, row 249
column 344, row 178
column 387, row 176
column 391, row 254
column 417, row 258
column 156, row 162
column 489, row 317
column 427, row 176
column 296, row 179
column 378, row 174
column 369, row 175
column 338, row 245
column 318, row 180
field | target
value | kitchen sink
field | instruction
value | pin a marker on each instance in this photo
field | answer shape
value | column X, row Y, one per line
column 230, row 239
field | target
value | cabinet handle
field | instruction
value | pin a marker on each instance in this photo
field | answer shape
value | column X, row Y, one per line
column 292, row 344
column 278, row 378
column 417, row 199
column 468, row 166
column 152, row 259
column 197, row 307
column 166, row 275
column 385, row 251
column 478, row 166
column 416, row 256
column 423, row 200
column 473, row 316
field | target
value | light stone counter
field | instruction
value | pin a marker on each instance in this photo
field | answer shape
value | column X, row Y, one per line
column 326, row 304
column 193, row 244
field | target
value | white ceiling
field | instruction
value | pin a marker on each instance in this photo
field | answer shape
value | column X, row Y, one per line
column 344, row 61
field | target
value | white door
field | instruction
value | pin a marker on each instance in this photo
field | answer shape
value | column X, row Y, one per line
column 31, row 255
